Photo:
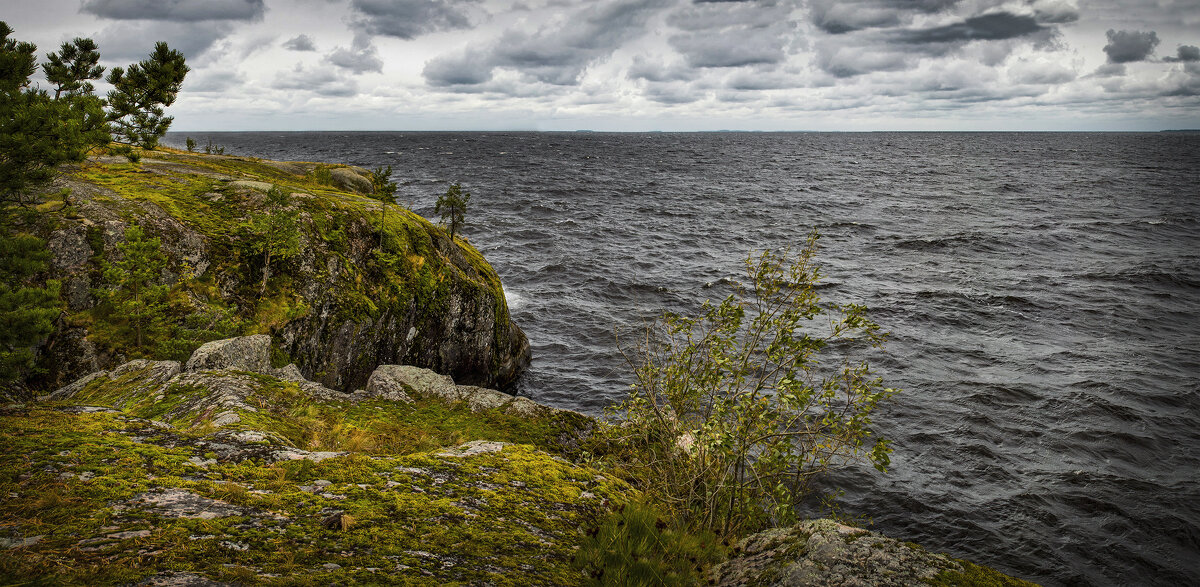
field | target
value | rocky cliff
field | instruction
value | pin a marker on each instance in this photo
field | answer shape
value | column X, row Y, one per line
column 365, row 289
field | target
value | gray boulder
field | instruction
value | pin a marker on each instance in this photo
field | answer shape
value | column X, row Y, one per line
column 827, row 553
column 352, row 179
column 395, row 380
column 245, row 353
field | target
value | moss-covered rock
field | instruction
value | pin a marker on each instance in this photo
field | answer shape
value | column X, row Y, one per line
column 366, row 289
column 243, row 478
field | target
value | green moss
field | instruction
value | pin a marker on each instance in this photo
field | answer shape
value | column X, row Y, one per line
column 178, row 194
column 504, row 518
column 973, row 575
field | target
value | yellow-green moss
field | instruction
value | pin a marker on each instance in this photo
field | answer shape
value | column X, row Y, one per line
column 505, row 518
column 974, row 575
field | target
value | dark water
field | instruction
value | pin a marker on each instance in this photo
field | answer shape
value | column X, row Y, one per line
column 1043, row 291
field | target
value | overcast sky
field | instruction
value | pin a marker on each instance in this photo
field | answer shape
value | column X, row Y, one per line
column 654, row 64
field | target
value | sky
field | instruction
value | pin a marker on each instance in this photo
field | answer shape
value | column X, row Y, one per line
column 644, row 65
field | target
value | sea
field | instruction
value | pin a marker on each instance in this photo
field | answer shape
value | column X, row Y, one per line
column 1042, row 291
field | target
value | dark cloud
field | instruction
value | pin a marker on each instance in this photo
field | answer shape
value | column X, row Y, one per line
column 176, row 10
column 733, row 34
column 850, row 61
column 1130, row 46
column 300, row 43
column 214, row 82
column 1056, row 12
column 121, row 43
column 1185, row 53
column 361, row 57
column 409, row 19
column 556, row 55
column 324, row 82
column 844, row 16
column 730, row 49
column 1110, row 70
column 459, row 70
column 988, row 27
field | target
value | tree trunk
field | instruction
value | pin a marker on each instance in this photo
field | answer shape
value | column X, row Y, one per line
column 266, row 273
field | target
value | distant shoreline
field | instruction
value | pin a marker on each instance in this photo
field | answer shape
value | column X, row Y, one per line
column 690, row 132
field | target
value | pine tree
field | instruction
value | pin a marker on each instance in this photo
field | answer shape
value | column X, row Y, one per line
column 135, row 300
column 27, row 312
column 385, row 192
column 17, row 61
column 72, row 69
column 37, row 132
column 275, row 233
column 452, row 206
column 140, row 94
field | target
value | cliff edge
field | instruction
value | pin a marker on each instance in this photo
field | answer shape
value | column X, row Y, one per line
column 365, row 287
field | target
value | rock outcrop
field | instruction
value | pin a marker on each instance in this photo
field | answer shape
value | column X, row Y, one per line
column 358, row 295
column 227, row 368
column 247, row 353
column 825, row 553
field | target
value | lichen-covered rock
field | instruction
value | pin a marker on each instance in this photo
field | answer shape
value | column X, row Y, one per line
column 398, row 378
column 69, row 248
column 826, row 553
column 352, row 179
column 245, row 353
column 399, row 381
column 158, row 488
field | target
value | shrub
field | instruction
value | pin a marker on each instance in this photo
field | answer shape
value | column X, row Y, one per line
column 735, row 412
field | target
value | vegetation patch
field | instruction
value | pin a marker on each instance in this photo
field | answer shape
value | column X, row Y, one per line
column 141, row 487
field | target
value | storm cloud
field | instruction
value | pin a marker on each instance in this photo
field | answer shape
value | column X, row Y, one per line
column 844, row 16
column 989, row 27
column 733, row 35
column 409, row 19
column 627, row 64
column 123, row 42
column 556, row 53
column 1130, row 46
column 1185, row 53
column 176, row 10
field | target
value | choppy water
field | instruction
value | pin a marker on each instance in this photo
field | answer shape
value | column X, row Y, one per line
column 1043, row 291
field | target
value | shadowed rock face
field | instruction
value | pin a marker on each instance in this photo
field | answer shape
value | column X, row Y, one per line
column 357, row 295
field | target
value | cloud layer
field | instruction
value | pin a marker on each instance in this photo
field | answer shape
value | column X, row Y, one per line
column 752, row 63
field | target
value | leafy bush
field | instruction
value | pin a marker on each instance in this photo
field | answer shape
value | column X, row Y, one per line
column 735, row 412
